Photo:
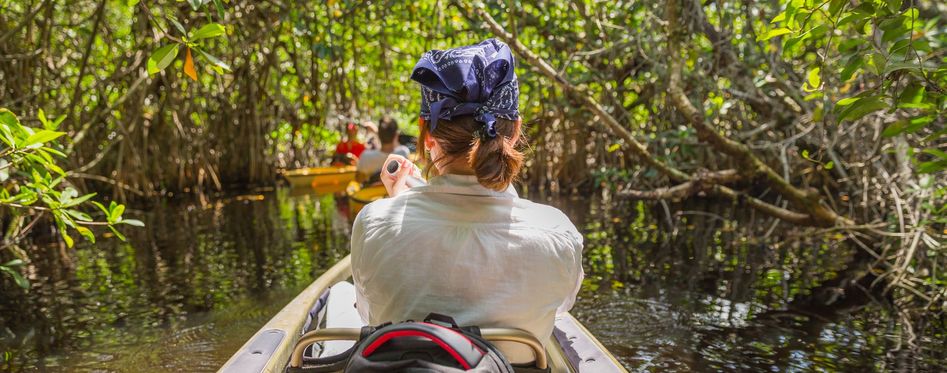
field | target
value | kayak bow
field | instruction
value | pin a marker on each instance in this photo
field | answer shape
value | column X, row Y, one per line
column 571, row 348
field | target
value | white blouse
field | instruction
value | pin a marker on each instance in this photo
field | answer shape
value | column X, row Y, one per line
column 454, row 247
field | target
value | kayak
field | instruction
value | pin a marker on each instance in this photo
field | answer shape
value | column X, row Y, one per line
column 320, row 176
column 361, row 197
column 283, row 341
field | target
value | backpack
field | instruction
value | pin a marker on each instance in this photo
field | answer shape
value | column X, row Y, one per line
column 415, row 346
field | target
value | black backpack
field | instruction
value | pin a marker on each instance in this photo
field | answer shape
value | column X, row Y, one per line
column 415, row 346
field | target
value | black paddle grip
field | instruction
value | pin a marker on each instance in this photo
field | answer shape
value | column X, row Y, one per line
column 393, row 167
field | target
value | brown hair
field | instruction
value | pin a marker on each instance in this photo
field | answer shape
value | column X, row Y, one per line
column 387, row 129
column 496, row 161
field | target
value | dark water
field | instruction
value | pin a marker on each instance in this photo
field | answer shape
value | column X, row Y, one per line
column 668, row 289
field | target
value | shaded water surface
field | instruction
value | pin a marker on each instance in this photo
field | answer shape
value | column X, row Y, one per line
column 667, row 289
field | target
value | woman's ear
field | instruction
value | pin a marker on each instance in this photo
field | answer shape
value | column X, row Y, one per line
column 429, row 142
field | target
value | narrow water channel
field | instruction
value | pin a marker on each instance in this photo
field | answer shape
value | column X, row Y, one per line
column 667, row 289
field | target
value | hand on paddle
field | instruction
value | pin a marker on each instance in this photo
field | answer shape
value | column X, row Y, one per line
column 397, row 182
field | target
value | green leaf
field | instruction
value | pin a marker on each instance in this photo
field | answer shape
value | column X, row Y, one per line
column 13, row 263
column 214, row 60
column 835, row 6
column 862, row 107
column 115, row 213
column 910, row 125
column 828, row 165
column 133, row 222
column 210, row 30
column 932, row 167
column 773, row 33
column 814, row 79
column 877, row 62
column 805, row 154
column 220, row 8
column 847, row 101
column 42, row 117
column 53, row 151
column 852, row 18
column 101, row 207
column 162, row 57
column 76, row 201
column 86, row 232
column 178, row 26
column 17, row 277
column 7, row 118
column 936, row 152
column 40, row 137
column 893, row 5
column 850, row 44
column 117, row 233
column 67, row 238
column 78, row 215
column 196, row 4
column 896, row 66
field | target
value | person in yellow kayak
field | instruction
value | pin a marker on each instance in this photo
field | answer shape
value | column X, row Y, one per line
column 370, row 162
column 465, row 244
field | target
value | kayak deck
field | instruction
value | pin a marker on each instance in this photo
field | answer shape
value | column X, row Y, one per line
column 571, row 348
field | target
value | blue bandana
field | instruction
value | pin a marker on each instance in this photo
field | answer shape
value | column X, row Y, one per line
column 473, row 80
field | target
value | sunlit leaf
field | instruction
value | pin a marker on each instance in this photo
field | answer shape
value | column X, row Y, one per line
column 162, row 57
column 210, row 30
column 67, row 238
column 814, row 79
column 773, row 33
column 847, row 101
column 86, row 233
column 862, row 107
column 40, row 137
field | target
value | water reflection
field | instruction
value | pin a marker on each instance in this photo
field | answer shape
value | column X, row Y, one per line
column 669, row 288
column 699, row 291
column 180, row 295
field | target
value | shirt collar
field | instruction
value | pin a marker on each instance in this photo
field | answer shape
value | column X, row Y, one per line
column 464, row 184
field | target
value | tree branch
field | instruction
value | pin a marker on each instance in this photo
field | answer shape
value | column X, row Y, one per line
column 808, row 200
column 578, row 93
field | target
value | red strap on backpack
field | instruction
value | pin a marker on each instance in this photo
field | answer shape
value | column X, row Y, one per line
column 461, row 348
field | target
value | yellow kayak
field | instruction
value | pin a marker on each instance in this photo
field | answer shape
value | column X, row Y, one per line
column 320, row 176
column 361, row 197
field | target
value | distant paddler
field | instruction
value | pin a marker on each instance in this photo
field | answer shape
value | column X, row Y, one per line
column 347, row 152
column 371, row 161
